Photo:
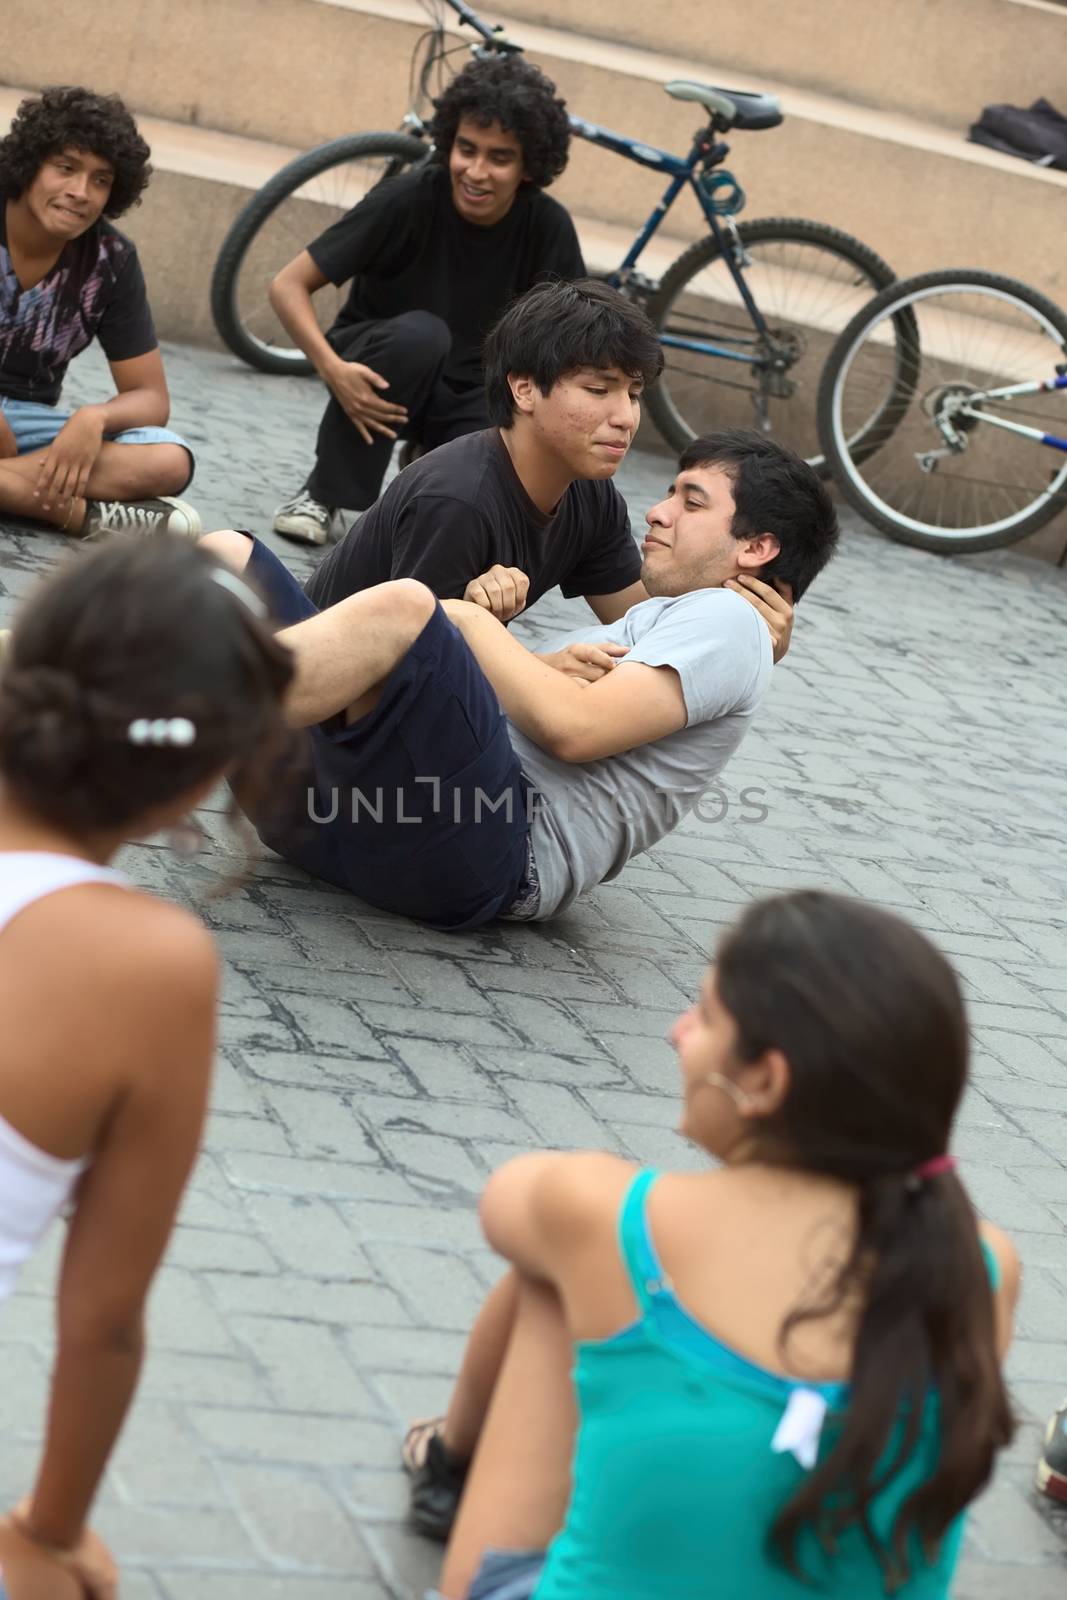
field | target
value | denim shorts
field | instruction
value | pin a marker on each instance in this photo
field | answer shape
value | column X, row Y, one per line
column 503, row 1575
column 420, row 807
column 35, row 426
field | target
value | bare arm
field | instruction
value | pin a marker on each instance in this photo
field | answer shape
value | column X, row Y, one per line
column 574, row 721
column 141, row 401
column 290, row 298
column 356, row 388
column 125, row 1212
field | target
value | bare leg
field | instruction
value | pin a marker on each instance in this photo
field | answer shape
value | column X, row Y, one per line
column 482, row 1361
column 519, row 1482
column 345, row 653
column 121, row 472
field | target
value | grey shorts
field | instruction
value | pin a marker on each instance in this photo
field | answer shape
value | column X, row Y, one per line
column 503, row 1575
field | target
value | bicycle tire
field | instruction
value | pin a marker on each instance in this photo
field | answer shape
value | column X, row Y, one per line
column 665, row 411
column 909, row 294
column 398, row 150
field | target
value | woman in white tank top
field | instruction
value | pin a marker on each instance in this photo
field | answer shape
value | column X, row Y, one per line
column 137, row 678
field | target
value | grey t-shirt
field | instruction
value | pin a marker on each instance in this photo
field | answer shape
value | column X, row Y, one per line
column 591, row 817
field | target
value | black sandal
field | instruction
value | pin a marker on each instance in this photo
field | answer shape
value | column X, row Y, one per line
column 437, row 1478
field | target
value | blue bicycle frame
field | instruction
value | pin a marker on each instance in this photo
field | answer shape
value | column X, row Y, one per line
column 683, row 172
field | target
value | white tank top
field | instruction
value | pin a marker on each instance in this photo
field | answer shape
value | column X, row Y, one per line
column 34, row 1186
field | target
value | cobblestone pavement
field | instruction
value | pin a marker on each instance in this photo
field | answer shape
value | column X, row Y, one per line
column 371, row 1073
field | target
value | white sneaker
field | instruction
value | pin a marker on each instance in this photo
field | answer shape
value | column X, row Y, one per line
column 304, row 518
column 137, row 518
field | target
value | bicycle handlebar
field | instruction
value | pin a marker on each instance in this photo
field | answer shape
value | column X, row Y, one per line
column 494, row 37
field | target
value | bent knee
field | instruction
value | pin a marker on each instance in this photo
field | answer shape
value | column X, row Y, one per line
column 411, row 599
column 175, row 468
column 229, row 546
column 424, row 334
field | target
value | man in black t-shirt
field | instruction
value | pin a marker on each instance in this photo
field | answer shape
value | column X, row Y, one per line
column 434, row 256
column 503, row 515
column 67, row 276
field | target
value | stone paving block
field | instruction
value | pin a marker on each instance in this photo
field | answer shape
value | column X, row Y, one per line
column 985, row 1580
column 390, row 1349
column 451, row 1227
column 438, row 1114
column 447, row 1070
column 331, row 1027
column 200, row 1248
column 159, row 1534
column 289, row 1437
column 182, row 1377
column 307, row 1235
column 437, row 1285
column 433, row 1158
column 228, row 1132
column 339, row 1305
column 182, row 1317
column 310, row 1071
column 558, row 1116
column 302, row 1364
column 578, row 1072
column 1006, row 1526
column 158, row 1460
column 457, row 1028
column 296, row 1521
column 330, row 1179
column 257, row 1585
column 320, row 1122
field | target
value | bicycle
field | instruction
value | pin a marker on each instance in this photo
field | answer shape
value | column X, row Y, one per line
column 949, row 465
column 746, row 315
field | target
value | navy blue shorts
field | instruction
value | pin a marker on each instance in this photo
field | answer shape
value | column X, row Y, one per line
column 421, row 806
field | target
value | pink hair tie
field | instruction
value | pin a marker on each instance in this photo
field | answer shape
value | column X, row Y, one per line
column 935, row 1167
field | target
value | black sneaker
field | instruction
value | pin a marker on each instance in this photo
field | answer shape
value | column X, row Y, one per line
column 1052, row 1467
column 436, row 1487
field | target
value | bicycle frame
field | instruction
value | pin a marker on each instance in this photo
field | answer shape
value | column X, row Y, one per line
column 683, row 173
column 1012, row 392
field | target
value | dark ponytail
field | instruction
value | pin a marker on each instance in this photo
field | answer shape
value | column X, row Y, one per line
column 870, row 1017
column 127, row 633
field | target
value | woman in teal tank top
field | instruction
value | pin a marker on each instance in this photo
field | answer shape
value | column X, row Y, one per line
column 776, row 1378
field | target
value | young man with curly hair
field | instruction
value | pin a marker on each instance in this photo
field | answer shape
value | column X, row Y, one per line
column 71, row 160
column 434, row 256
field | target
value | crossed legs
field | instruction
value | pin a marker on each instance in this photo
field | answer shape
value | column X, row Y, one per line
column 121, row 472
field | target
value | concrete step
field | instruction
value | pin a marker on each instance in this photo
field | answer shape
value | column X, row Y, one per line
column 937, row 60
column 295, row 72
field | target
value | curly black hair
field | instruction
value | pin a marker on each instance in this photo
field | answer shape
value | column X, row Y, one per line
column 515, row 93
column 66, row 118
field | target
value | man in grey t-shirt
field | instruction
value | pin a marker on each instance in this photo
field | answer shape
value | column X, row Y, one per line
column 426, row 801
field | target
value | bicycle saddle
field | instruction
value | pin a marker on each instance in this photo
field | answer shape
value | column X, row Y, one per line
column 736, row 106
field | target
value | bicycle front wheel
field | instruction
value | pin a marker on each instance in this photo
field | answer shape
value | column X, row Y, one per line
column 282, row 219
column 807, row 280
column 951, row 478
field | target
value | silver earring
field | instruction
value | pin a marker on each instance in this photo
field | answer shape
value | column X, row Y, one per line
column 742, row 1100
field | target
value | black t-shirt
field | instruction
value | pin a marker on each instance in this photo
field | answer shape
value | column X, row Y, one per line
column 461, row 509
column 406, row 248
column 96, row 290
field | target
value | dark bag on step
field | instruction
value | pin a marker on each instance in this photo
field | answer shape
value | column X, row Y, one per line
column 1038, row 135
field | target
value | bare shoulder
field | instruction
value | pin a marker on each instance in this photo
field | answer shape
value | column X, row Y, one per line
column 585, row 1187
column 1006, row 1256
column 112, row 940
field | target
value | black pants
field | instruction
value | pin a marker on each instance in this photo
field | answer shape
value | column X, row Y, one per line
column 411, row 351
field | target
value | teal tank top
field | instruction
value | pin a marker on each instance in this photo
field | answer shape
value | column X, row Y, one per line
column 676, row 1482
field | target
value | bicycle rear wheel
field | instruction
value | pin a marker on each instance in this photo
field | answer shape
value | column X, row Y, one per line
column 807, row 280
column 946, row 480
column 282, row 219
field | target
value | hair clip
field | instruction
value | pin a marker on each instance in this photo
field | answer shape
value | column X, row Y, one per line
column 162, row 731
column 237, row 587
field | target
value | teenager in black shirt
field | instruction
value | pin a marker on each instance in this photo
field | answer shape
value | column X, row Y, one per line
column 434, row 256
column 67, row 276
column 528, row 503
